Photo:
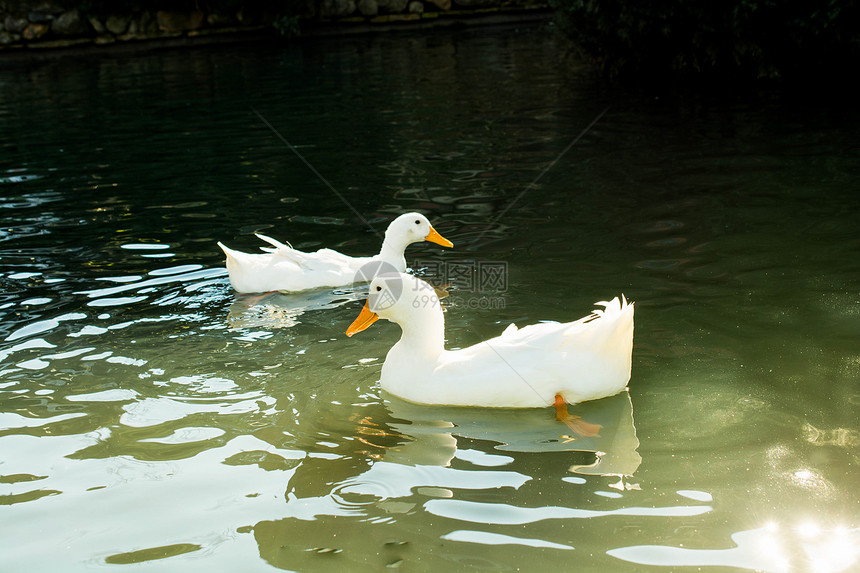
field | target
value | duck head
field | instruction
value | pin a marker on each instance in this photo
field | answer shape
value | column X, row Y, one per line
column 413, row 228
column 401, row 298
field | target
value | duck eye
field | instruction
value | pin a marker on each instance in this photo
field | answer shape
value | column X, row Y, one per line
column 417, row 222
column 378, row 288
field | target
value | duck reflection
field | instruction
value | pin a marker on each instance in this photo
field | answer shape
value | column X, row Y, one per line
column 283, row 310
column 433, row 433
column 400, row 455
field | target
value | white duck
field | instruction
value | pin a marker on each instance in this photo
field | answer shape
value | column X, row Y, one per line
column 537, row 365
column 284, row 268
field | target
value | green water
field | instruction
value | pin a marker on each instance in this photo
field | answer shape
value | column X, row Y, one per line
column 151, row 419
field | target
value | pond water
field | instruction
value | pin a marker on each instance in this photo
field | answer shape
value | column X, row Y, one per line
column 150, row 417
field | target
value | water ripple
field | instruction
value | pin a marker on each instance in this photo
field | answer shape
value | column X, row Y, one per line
column 166, row 277
column 154, row 411
column 504, row 514
column 487, row 538
column 386, row 480
column 43, row 326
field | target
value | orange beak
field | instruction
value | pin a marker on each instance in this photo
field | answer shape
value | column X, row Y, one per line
column 365, row 319
column 434, row 237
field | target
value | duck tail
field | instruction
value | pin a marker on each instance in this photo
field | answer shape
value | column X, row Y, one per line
column 285, row 250
column 613, row 308
column 613, row 322
column 230, row 253
column 274, row 242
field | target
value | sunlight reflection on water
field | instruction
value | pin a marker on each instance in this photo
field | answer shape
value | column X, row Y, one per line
column 771, row 548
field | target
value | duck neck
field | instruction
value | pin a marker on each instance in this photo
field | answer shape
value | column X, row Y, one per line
column 392, row 253
column 425, row 339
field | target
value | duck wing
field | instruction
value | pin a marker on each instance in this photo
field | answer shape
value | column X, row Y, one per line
column 582, row 360
column 323, row 260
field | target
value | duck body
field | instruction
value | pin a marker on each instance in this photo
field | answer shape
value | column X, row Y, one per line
column 283, row 268
column 290, row 270
column 522, row 368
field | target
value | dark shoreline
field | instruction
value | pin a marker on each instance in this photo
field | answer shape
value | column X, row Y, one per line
column 87, row 46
